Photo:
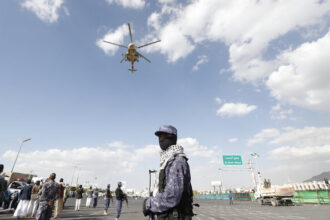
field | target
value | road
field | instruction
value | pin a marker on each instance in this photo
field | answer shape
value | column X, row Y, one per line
column 208, row 210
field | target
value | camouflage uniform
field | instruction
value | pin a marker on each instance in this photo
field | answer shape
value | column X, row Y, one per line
column 50, row 192
column 177, row 175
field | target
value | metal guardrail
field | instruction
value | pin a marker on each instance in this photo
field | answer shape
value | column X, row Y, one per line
column 301, row 196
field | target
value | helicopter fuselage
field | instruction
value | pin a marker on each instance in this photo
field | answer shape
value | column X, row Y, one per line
column 132, row 55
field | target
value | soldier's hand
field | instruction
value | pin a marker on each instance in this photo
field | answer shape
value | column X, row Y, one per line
column 51, row 202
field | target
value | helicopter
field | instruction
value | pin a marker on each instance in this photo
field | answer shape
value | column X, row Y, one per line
column 132, row 55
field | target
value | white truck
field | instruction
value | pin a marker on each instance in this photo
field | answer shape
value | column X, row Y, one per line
column 274, row 195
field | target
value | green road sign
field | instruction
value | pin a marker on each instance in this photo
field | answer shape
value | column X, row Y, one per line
column 232, row 160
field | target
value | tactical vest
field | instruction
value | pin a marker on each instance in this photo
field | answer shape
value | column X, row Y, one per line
column 184, row 210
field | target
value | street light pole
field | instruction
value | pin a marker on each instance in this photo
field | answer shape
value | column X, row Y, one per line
column 20, row 147
column 74, row 169
column 221, row 180
column 78, row 176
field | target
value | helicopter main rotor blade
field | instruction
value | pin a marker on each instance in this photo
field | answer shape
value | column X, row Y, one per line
column 144, row 57
column 123, row 59
column 115, row 44
column 130, row 32
column 149, row 43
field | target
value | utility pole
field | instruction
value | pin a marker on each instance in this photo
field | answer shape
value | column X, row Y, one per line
column 253, row 174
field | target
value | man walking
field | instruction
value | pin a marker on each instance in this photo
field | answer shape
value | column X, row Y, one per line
column 120, row 197
column 49, row 193
column 59, row 201
column 172, row 196
column 230, row 196
column 108, row 196
column 22, row 209
column 79, row 196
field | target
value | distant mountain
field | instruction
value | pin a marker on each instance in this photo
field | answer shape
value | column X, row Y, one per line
column 319, row 177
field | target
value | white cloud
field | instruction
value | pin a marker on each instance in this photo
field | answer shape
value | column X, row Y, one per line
column 105, row 163
column 117, row 144
column 173, row 43
column 304, row 137
column 302, row 152
column 166, row 1
column 46, row 10
column 235, row 109
column 303, row 79
column 135, row 4
column 257, row 24
column 117, row 36
column 194, row 149
column 263, row 136
column 218, row 100
column 233, row 140
column 277, row 112
column 319, row 153
column 201, row 59
column 108, row 164
column 307, row 136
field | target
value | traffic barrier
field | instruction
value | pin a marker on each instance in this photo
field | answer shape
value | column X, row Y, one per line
column 301, row 196
column 312, row 196
column 236, row 196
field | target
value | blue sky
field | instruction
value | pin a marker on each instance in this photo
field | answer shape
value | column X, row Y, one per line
column 257, row 84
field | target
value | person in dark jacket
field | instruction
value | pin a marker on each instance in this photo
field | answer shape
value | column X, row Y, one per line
column 79, row 195
column 172, row 194
column 3, row 185
column 230, row 197
column 120, row 197
column 25, row 197
column 107, row 198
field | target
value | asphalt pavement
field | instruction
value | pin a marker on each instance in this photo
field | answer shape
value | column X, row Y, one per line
column 208, row 210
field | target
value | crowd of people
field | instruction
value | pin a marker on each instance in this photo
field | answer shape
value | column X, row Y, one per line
column 44, row 200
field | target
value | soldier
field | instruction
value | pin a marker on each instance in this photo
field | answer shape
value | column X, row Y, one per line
column 173, row 194
column 49, row 193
